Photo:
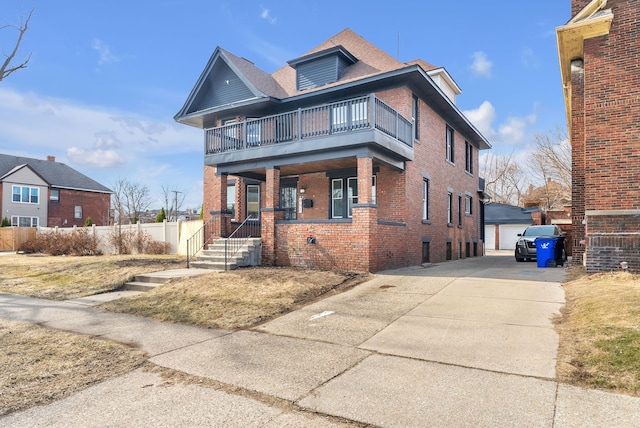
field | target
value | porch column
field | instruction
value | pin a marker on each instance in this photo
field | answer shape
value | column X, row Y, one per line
column 269, row 215
column 365, row 219
column 215, row 199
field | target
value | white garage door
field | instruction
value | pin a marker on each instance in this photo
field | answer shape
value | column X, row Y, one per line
column 489, row 237
column 509, row 235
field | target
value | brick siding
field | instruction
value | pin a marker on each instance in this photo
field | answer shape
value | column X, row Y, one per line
column 94, row 205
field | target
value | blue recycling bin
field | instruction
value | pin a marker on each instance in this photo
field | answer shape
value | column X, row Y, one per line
column 545, row 251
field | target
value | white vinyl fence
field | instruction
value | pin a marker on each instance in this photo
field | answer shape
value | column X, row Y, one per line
column 174, row 233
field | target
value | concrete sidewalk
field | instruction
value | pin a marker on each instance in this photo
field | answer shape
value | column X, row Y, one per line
column 463, row 343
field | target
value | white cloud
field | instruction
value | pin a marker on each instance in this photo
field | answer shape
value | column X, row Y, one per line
column 529, row 59
column 481, row 66
column 105, row 54
column 266, row 15
column 510, row 133
column 95, row 157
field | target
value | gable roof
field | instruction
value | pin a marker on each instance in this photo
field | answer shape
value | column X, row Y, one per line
column 496, row 213
column 55, row 174
column 373, row 67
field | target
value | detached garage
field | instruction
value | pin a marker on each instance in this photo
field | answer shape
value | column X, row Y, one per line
column 503, row 223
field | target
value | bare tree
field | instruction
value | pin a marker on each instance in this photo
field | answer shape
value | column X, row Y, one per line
column 504, row 178
column 8, row 66
column 130, row 199
column 550, row 165
column 173, row 200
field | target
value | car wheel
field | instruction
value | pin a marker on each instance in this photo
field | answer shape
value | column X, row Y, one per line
column 519, row 259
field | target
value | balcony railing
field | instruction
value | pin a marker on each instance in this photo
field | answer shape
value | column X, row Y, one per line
column 344, row 116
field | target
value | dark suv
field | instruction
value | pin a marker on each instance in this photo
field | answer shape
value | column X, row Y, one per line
column 526, row 245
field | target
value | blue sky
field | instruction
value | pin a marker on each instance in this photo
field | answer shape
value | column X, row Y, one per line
column 106, row 77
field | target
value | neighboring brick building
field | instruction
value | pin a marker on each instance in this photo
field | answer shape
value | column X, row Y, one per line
column 599, row 52
column 36, row 192
column 350, row 158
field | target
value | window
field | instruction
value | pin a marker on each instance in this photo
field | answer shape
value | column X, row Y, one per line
column 449, row 144
column 54, row 196
column 253, row 132
column 344, row 195
column 77, row 212
column 24, row 221
column 426, row 252
column 25, row 194
column 374, row 186
column 460, row 210
column 231, row 200
column 449, row 208
column 468, row 205
column 448, row 250
column 253, row 201
column 425, row 199
column 348, row 115
column 415, row 116
column 288, row 199
column 468, row 157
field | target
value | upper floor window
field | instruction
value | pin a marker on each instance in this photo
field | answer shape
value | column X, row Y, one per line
column 415, row 116
column 468, row 206
column 77, row 212
column 468, row 157
column 449, row 137
column 25, row 194
column 459, row 210
column 349, row 115
column 54, row 196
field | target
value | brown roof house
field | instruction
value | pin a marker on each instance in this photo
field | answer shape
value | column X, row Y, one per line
column 35, row 192
column 346, row 157
column 599, row 52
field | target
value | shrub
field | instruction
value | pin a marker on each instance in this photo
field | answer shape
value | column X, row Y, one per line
column 5, row 222
column 88, row 222
column 157, row 247
column 78, row 242
column 162, row 216
column 131, row 241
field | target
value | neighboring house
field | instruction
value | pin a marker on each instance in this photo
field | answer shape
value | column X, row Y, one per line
column 349, row 158
column 550, row 196
column 36, row 192
column 599, row 51
column 504, row 222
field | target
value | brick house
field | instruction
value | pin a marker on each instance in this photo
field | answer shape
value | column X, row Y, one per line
column 36, row 192
column 349, row 158
column 599, row 52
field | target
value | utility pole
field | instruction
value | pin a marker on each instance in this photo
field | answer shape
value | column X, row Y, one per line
column 175, row 199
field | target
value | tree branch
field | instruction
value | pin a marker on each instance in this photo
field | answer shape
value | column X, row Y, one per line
column 6, row 69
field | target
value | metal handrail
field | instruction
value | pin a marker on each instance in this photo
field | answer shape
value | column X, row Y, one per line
column 249, row 228
column 201, row 238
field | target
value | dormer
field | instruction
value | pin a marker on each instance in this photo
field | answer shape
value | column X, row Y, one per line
column 445, row 82
column 321, row 68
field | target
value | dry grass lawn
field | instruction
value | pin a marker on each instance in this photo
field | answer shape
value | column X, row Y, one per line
column 67, row 277
column 600, row 332
column 236, row 299
column 40, row 365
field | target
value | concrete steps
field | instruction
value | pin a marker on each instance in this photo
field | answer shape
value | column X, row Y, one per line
column 213, row 257
column 149, row 281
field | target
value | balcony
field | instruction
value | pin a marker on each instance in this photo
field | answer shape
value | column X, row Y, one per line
column 354, row 122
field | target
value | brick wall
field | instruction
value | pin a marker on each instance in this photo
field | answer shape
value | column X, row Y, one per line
column 94, row 205
column 611, row 115
column 578, row 5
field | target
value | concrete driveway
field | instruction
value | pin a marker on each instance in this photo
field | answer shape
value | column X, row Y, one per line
column 464, row 343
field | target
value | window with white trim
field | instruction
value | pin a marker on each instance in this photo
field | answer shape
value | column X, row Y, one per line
column 425, row 199
column 468, row 205
column 20, row 221
column 54, row 196
column 77, row 212
column 449, row 208
column 25, row 195
column 449, row 137
column 344, row 195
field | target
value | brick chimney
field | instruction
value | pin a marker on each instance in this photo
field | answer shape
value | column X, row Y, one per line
column 51, row 158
